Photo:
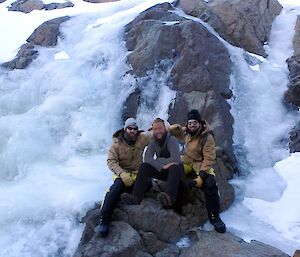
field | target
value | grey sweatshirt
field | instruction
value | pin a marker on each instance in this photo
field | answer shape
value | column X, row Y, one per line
column 154, row 148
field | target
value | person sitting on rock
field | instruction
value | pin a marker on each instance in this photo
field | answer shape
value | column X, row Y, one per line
column 198, row 158
column 124, row 158
column 162, row 161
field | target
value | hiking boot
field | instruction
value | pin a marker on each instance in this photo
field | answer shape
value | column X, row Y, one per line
column 165, row 200
column 130, row 199
column 102, row 229
column 216, row 221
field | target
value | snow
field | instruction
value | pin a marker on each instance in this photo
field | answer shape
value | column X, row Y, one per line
column 56, row 122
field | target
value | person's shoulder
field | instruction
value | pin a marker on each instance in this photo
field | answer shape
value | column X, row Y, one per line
column 173, row 139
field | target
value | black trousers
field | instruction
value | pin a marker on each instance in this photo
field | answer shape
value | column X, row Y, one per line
column 209, row 188
column 112, row 197
column 172, row 175
column 211, row 193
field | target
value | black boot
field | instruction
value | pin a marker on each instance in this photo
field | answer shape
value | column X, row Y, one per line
column 103, row 228
column 216, row 221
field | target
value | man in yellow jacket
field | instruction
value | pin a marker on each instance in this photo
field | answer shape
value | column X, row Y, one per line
column 124, row 159
column 198, row 160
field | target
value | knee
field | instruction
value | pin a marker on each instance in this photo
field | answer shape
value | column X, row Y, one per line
column 144, row 168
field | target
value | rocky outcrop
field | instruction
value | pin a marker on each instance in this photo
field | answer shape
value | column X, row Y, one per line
column 27, row 6
column 246, row 24
column 227, row 245
column 294, row 144
column 53, row 6
column 100, row 1
column 25, row 56
column 195, row 64
column 2, row 1
column 148, row 230
column 293, row 93
column 45, row 35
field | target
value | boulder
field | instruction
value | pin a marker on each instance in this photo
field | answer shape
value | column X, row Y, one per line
column 183, row 54
column 123, row 241
column 26, row 6
column 246, row 24
column 227, row 245
column 53, row 6
column 25, row 56
column 47, row 34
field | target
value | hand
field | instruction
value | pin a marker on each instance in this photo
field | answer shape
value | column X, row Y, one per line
column 167, row 166
column 125, row 176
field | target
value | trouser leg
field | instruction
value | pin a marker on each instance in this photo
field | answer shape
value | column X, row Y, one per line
column 212, row 198
column 146, row 171
column 112, row 197
column 175, row 173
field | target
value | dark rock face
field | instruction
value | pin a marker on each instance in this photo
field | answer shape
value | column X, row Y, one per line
column 293, row 93
column 199, row 66
column 24, row 57
column 294, row 144
column 27, row 6
column 2, row 1
column 100, row 1
column 246, row 24
column 148, row 230
column 53, row 6
column 227, row 245
column 47, row 33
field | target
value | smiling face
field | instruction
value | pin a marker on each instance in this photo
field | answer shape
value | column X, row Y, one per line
column 193, row 125
column 158, row 129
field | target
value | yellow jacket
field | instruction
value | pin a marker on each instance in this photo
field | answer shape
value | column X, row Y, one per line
column 123, row 157
column 199, row 150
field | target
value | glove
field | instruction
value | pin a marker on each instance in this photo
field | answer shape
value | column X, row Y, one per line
column 125, row 176
column 198, row 181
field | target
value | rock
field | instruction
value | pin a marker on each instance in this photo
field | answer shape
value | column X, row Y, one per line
column 246, row 24
column 292, row 95
column 26, row 6
column 227, row 245
column 100, row 1
column 131, row 105
column 193, row 62
column 123, row 241
column 47, row 34
column 152, row 243
column 53, row 6
column 297, row 253
column 294, row 144
column 25, row 56
column 2, row 1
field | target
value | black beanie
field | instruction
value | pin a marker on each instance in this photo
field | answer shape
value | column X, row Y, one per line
column 194, row 115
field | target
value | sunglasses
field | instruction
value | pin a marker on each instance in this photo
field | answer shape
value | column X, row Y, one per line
column 132, row 128
column 193, row 123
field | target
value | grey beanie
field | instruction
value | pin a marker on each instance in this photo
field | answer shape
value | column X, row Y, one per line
column 130, row 122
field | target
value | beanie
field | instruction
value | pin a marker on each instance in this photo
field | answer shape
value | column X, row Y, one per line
column 130, row 122
column 194, row 115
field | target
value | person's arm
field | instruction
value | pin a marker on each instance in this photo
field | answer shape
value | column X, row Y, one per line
column 177, row 131
column 113, row 159
column 174, row 149
column 209, row 154
column 149, row 157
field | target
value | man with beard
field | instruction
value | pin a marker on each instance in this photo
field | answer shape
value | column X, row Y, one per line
column 124, row 158
column 165, row 166
column 198, row 158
